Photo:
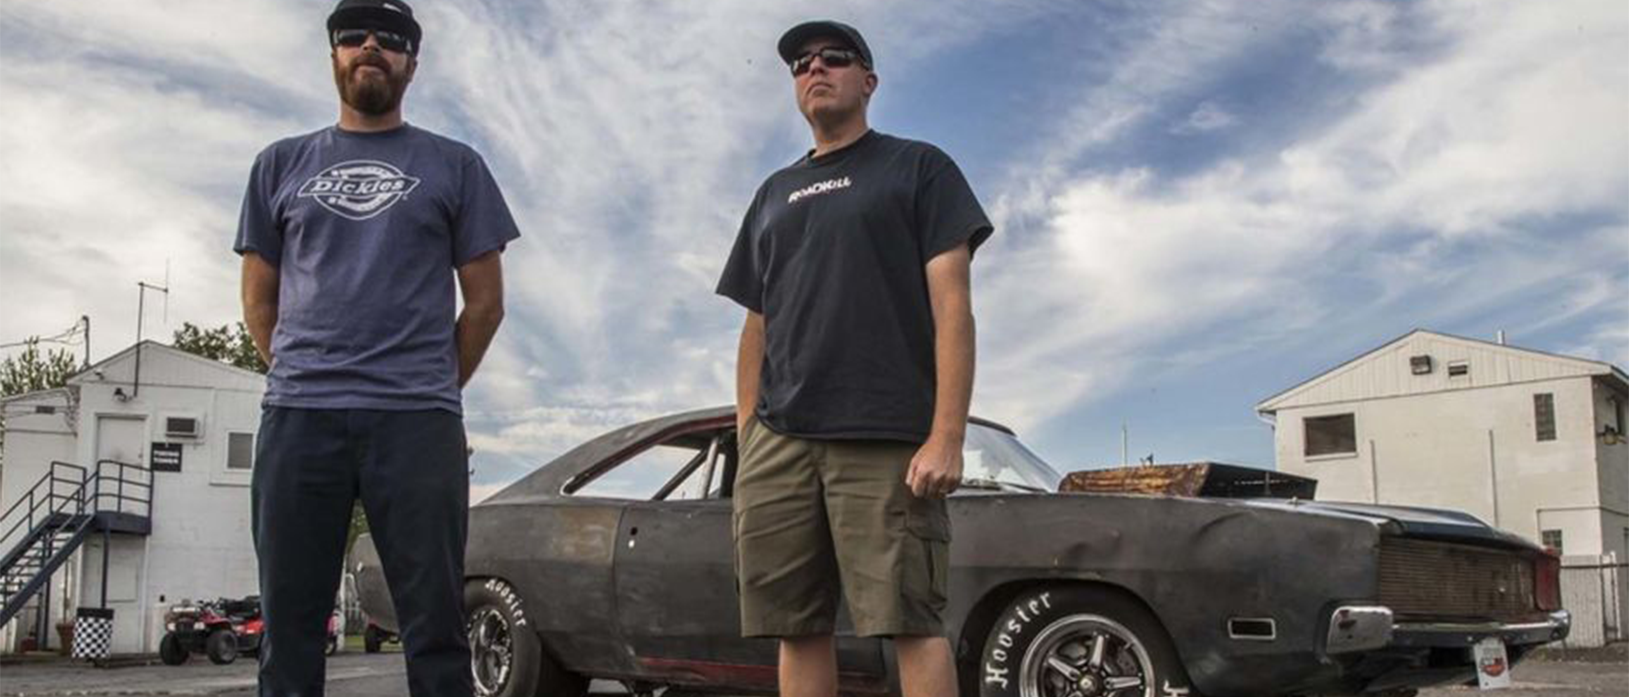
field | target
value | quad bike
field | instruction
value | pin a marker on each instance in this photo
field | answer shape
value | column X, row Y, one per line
column 221, row 629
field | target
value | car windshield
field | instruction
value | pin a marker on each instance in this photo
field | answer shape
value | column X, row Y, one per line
column 994, row 459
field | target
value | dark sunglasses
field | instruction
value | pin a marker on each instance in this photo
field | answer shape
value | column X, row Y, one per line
column 831, row 57
column 388, row 40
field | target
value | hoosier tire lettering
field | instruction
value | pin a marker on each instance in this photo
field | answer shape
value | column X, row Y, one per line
column 510, row 598
column 507, row 657
column 1065, row 640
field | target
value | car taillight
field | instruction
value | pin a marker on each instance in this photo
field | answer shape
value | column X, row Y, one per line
column 1548, row 581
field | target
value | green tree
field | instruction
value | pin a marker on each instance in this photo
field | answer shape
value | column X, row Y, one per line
column 228, row 343
column 31, row 370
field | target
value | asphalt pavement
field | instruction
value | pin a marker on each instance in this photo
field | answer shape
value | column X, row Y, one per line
column 383, row 675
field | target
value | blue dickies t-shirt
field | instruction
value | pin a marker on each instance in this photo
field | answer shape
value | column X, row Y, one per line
column 366, row 231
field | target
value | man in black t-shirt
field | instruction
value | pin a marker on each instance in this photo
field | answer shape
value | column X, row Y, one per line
column 853, row 378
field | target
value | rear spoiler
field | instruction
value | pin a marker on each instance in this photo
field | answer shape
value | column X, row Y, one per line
column 1199, row 479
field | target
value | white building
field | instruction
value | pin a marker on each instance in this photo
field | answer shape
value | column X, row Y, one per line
column 189, row 424
column 1530, row 442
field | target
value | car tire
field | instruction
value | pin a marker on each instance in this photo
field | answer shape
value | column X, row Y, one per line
column 171, row 651
column 1063, row 639
column 222, row 647
column 506, row 656
column 372, row 639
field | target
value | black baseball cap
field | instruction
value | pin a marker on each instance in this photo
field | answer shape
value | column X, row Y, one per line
column 796, row 37
column 390, row 15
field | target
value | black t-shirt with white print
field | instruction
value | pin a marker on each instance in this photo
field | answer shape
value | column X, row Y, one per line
column 833, row 252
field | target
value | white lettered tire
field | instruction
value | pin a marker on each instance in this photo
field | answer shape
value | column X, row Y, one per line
column 1064, row 640
column 507, row 659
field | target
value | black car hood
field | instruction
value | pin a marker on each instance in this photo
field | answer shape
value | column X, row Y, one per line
column 1408, row 521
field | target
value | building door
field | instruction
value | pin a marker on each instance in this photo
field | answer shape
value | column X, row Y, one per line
column 119, row 438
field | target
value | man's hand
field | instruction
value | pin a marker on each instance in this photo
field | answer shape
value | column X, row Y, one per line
column 936, row 469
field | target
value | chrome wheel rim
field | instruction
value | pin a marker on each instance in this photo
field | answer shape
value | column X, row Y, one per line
column 1086, row 655
column 491, row 651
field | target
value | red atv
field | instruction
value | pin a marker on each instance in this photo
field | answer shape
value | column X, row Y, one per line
column 221, row 629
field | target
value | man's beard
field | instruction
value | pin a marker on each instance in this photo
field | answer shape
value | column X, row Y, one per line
column 366, row 91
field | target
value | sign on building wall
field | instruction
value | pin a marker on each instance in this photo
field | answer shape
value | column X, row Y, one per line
column 166, row 457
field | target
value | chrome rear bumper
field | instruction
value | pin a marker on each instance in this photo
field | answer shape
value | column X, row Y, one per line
column 1368, row 627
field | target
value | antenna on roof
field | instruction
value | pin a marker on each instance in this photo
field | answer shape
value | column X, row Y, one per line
column 141, row 307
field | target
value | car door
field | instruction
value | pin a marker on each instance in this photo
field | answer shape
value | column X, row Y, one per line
column 676, row 585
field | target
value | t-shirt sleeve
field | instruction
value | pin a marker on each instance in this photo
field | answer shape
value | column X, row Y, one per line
column 743, row 277
column 948, row 213
column 483, row 222
column 258, row 227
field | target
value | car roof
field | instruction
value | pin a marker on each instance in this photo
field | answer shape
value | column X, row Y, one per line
column 549, row 479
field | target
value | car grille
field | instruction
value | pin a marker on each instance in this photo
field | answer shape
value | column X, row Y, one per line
column 1436, row 580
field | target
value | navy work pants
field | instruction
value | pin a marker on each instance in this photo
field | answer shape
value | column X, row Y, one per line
column 410, row 470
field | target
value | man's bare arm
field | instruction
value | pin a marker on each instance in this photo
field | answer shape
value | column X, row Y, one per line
column 936, row 470
column 260, row 302
column 749, row 360
column 482, row 282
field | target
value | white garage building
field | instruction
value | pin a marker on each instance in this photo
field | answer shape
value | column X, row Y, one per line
column 1530, row 442
column 175, row 515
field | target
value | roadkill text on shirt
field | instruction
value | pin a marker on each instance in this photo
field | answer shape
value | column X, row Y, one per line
column 818, row 188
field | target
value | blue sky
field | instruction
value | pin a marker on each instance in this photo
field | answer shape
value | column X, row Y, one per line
column 1198, row 203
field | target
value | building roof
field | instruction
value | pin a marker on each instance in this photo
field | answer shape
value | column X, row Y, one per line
column 35, row 395
column 1370, row 376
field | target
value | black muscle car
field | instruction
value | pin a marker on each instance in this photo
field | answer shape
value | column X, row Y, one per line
column 614, row 561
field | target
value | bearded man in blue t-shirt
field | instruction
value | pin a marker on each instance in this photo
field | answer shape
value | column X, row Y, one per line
column 352, row 238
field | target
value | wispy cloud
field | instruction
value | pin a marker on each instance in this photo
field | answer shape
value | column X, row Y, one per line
column 1217, row 178
column 1475, row 148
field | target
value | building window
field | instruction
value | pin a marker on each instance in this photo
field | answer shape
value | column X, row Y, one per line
column 1330, row 435
column 240, row 451
column 1551, row 539
column 1420, row 365
column 1544, row 417
column 1459, row 369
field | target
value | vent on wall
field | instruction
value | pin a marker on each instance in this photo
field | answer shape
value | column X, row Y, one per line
column 1420, row 365
column 1459, row 369
column 182, row 427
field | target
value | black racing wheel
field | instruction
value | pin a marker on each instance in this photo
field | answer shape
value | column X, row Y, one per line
column 1079, row 641
column 506, row 656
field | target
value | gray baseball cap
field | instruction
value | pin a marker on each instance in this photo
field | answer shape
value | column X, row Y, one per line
column 796, row 37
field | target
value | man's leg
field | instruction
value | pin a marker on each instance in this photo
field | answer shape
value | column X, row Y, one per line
column 785, row 570
column 926, row 667
column 300, row 504
column 809, row 666
column 415, row 487
column 892, row 550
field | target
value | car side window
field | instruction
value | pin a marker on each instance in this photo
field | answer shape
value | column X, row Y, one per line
column 644, row 475
column 703, row 482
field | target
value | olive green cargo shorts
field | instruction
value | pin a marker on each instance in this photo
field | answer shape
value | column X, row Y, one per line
column 813, row 514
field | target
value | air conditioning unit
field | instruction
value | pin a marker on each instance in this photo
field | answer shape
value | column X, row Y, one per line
column 183, row 427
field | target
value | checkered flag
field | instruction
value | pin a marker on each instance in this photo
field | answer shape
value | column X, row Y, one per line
column 93, row 633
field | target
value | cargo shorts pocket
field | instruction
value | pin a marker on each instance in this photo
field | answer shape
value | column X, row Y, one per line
column 929, row 527
column 745, row 436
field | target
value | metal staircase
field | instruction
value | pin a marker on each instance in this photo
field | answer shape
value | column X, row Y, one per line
column 45, row 526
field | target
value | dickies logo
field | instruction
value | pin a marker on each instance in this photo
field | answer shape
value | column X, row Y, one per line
column 359, row 189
